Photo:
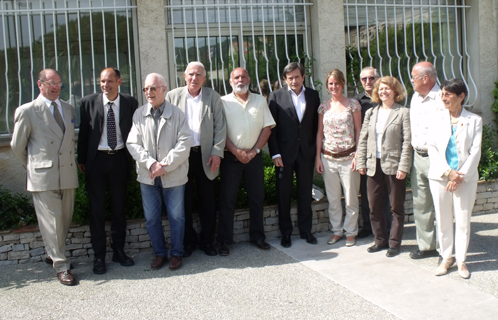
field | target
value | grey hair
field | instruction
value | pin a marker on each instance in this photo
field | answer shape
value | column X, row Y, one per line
column 376, row 73
column 158, row 76
column 430, row 71
column 195, row 63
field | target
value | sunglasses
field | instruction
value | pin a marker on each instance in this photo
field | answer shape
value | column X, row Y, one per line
column 369, row 78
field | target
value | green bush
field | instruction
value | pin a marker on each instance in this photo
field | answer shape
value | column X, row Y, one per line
column 16, row 210
column 488, row 165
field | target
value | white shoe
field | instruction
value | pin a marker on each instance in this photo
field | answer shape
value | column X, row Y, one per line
column 350, row 241
column 462, row 270
column 444, row 266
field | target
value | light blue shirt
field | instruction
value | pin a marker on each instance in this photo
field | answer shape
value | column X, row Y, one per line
column 451, row 150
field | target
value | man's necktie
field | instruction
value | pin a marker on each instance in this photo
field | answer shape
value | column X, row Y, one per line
column 58, row 117
column 112, row 139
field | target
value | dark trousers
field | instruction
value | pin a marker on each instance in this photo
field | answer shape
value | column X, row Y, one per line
column 304, row 180
column 365, row 207
column 232, row 172
column 378, row 186
column 109, row 172
column 206, row 196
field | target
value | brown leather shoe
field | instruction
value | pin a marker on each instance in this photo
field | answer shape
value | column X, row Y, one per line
column 175, row 263
column 66, row 278
column 158, row 262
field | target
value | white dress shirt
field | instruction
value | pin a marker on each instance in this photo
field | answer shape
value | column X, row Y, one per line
column 51, row 107
column 299, row 102
column 193, row 115
column 422, row 110
column 103, row 145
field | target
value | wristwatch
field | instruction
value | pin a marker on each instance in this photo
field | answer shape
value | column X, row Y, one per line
column 257, row 150
column 447, row 173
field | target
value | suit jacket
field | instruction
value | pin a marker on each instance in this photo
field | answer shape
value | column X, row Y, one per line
column 44, row 150
column 365, row 102
column 213, row 124
column 396, row 153
column 93, row 121
column 468, row 138
column 172, row 147
column 290, row 136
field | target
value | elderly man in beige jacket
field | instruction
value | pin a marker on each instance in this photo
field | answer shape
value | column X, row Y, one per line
column 159, row 141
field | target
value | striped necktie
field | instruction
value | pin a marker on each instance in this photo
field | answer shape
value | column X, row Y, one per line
column 112, row 139
column 58, row 117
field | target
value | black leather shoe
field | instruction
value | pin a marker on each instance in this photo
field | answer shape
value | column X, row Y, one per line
column 209, row 250
column 376, row 248
column 262, row 244
column 224, row 249
column 99, row 266
column 364, row 233
column 188, row 251
column 121, row 257
column 423, row 254
column 392, row 252
column 286, row 241
column 309, row 238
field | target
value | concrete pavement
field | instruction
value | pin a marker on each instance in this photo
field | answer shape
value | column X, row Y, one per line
column 302, row 282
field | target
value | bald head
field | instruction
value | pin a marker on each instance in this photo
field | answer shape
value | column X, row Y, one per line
column 424, row 77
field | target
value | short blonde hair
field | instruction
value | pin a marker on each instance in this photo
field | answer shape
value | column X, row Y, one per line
column 392, row 83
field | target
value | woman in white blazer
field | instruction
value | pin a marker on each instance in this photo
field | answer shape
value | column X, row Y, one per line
column 454, row 152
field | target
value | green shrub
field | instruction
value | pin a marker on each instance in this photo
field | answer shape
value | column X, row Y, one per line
column 488, row 165
column 16, row 210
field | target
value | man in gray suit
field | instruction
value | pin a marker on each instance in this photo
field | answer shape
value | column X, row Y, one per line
column 43, row 140
column 204, row 113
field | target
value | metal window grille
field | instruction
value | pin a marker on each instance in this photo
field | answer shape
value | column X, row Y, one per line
column 261, row 36
column 77, row 38
column 394, row 35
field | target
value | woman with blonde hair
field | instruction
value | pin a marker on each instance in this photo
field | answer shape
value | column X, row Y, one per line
column 385, row 155
column 339, row 125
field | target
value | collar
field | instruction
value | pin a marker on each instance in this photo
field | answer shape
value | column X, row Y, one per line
column 106, row 100
column 49, row 102
column 297, row 95
column 241, row 101
column 199, row 96
column 435, row 91
column 150, row 108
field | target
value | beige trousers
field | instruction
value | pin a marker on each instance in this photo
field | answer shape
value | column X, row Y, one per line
column 54, row 210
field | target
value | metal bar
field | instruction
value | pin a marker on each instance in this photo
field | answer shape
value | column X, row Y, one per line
column 71, row 10
column 104, row 35
column 368, row 38
column 129, row 52
column 306, row 46
column 221, row 51
column 93, row 50
column 7, row 103
column 117, row 43
column 16, row 24
column 185, row 30
column 30, row 37
column 69, row 80
column 405, row 5
column 295, row 33
column 275, row 44
column 387, row 41
column 209, row 48
column 242, row 55
column 196, row 34
column 174, row 47
column 240, row 4
column 264, row 51
column 55, row 37
column 378, row 38
column 449, row 41
column 422, row 32
column 441, row 43
column 81, row 57
column 42, row 24
column 254, row 50
column 358, row 36
column 464, row 34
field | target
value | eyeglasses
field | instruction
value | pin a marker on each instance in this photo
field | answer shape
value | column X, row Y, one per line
column 51, row 83
column 367, row 78
column 447, row 95
column 151, row 89
column 415, row 77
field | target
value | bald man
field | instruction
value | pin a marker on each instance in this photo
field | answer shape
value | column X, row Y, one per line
column 426, row 102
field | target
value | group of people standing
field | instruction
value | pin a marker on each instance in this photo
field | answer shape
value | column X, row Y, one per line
column 184, row 138
column 178, row 140
column 372, row 135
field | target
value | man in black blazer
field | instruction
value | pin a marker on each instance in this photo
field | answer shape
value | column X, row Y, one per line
column 292, row 146
column 106, row 120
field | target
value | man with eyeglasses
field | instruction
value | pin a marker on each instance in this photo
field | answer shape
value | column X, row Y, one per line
column 204, row 113
column 43, row 141
column 159, row 141
column 426, row 102
column 102, row 156
column 368, row 76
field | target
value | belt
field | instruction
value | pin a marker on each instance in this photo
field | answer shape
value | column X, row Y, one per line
column 111, row 152
column 422, row 153
column 196, row 148
column 341, row 154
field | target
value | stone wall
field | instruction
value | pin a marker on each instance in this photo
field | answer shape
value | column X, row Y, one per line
column 26, row 245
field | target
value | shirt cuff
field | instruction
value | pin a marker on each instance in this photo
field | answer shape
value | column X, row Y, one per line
column 276, row 156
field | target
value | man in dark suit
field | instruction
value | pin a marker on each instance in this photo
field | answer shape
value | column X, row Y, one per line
column 292, row 147
column 106, row 120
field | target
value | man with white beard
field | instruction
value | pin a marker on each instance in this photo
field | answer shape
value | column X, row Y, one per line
column 249, row 123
